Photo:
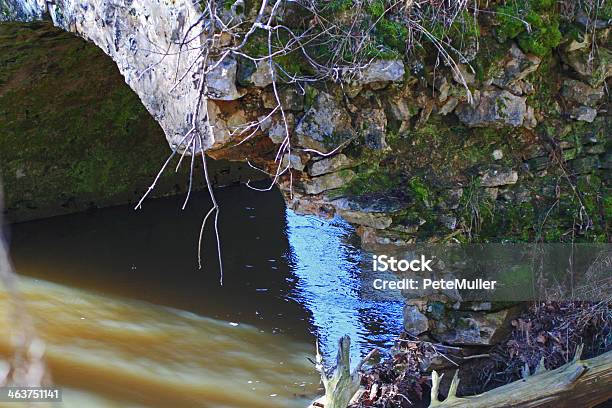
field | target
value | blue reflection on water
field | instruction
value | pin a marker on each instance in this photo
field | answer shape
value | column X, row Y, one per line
column 332, row 282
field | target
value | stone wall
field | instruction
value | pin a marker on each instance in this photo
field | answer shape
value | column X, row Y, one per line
column 413, row 160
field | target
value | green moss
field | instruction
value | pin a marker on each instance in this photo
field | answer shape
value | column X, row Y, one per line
column 476, row 211
column 290, row 64
column 605, row 12
column 257, row 44
column 490, row 53
column 607, row 207
column 542, row 5
column 339, row 5
column 371, row 179
column 542, row 40
column 546, row 81
column 534, row 23
column 310, row 94
column 381, row 52
column 420, row 190
column 226, row 4
column 519, row 279
column 464, row 28
column 391, row 34
column 553, row 214
column 511, row 24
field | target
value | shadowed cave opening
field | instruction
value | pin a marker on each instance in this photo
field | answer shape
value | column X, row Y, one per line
column 74, row 136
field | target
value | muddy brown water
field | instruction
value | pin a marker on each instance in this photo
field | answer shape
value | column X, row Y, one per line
column 129, row 319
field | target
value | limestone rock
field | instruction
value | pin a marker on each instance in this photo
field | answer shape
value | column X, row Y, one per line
column 329, row 181
column 443, row 87
column 372, row 123
column 473, row 328
column 463, row 74
column 449, row 106
column 225, row 124
column 277, row 132
column 408, row 226
column 425, row 113
column 245, row 71
column 584, row 164
column 221, row 81
column 530, row 121
column 492, row 192
column 593, row 71
column 451, row 199
column 306, row 204
column 415, row 322
column 262, row 76
column 371, row 210
column 381, row 71
column 373, row 239
column 295, row 161
column 290, row 98
column 372, row 220
column 582, row 93
column 329, row 165
column 588, row 22
column 399, row 109
column 324, row 126
column 517, row 67
column 372, row 203
column 574, row 45
column 352, row 89
column 584, row 113
column 475, row 306
column 498, row 177
column 22, row 10
column 494, row 108
column 275, row 128
column 449, row 221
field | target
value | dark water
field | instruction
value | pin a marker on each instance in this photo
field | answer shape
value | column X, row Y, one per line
column 294, row 277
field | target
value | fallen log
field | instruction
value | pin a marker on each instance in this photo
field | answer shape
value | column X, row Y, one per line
column 342, row 386
column 580, row 383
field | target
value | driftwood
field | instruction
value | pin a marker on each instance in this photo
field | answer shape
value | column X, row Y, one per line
column 342, row 386
column 580, row 383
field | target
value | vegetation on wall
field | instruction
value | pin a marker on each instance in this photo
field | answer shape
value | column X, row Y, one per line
column 533, row 23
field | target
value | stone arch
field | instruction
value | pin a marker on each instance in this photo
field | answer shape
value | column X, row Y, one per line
column 140, row 37
column 73, row 135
